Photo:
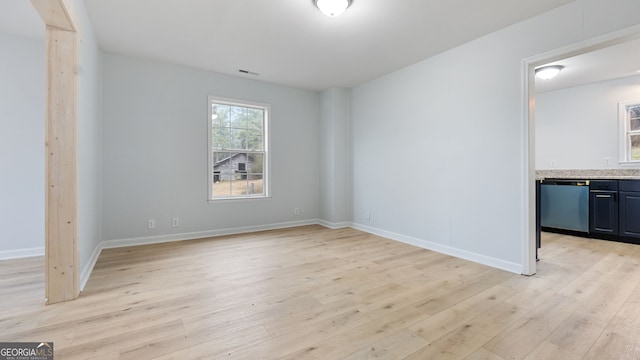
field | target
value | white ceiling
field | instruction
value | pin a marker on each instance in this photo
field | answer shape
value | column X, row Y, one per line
column 612, row 62
column 290, row 42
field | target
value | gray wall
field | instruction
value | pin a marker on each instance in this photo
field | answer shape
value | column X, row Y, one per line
column 335, row 173
column 155, row 151
column 22, row 99
column 577, row 128
column 22, row 183
column 449, row 135
column 89, row 142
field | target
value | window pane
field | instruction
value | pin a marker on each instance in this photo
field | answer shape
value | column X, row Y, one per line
column 255, row 119
column 239, row 139
column 254, row 140
column 238, row 187
column 255, row 163
column 238, row 117
column 252, row 185
column 219, row 115
column 255, row 184
column 221, row 138
column 237, row 174
column 219, row 158
column 221, row 174
column 221, row 189
column 634, row 117
column 635, row 147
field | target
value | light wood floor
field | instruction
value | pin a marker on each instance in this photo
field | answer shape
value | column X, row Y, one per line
column 315, row 293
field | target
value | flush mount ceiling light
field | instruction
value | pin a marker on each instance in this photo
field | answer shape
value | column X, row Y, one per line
column 332, row 8
column 548, row 72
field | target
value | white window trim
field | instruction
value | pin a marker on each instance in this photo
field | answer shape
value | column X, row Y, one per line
column 623, row 132
column 267, row 150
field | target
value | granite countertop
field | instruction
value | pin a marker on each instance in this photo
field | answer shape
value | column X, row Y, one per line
column 594, row 174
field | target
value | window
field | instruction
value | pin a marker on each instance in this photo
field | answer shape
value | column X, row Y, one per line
column 238, row 149
column 629, row 116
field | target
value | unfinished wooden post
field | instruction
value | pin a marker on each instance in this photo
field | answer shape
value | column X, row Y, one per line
column 61, row 229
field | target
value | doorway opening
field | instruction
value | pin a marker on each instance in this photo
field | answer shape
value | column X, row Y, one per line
column 529, row 106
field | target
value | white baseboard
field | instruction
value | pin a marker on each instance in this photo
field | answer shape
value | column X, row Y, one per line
column 334, row 226
column 88, row 269
column 447, row 250
column 110, row 244
column 21, row 253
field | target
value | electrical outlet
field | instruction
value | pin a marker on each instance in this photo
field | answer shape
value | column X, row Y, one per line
column 175, row 222
column 296, row 211
column 151, row 223
column 607, row 161
column 367, row 216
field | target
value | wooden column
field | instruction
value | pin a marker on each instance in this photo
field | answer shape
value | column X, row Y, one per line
column 61, row 229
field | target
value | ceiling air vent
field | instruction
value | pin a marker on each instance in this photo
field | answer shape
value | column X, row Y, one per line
column 243, row 71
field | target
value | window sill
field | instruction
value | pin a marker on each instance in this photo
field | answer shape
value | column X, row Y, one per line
column 238, row 199
column 630, row 163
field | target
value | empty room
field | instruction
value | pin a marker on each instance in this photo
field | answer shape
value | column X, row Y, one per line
column 320, row 179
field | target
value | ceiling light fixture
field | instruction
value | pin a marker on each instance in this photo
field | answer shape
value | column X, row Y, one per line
column 332, row 8
column 548, row 72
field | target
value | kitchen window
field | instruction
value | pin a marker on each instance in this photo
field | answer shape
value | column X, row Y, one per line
column 238, row 149
column 629, row 118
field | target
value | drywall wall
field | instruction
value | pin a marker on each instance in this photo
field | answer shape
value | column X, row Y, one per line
column 335, row 174
column 89, row 142
column 577, row 128
column 438, row 147
column 154, row 138
column 22, row 151
column 22, row 104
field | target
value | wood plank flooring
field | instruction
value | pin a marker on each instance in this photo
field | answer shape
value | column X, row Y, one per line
column 316, row 293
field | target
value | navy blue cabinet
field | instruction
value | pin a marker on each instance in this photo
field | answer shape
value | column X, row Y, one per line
column 603, row 207
column 614, row 210
column 629, row 209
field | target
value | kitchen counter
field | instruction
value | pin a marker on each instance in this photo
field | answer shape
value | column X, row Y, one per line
column 606, row 208
column 622, row 174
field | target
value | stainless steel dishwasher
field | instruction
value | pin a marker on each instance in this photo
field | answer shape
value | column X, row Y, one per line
column 564, row 204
